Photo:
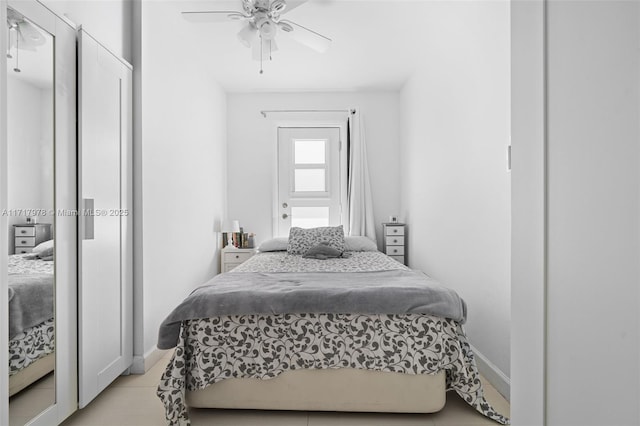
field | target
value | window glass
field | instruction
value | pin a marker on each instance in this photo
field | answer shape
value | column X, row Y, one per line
column 310, row 180
column 309, row 151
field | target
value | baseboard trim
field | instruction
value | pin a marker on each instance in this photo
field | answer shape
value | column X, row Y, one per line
column 493, row 374
column 142, row 363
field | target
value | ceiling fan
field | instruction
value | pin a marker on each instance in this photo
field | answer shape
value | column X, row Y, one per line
column 27, row 36
column 263, row 20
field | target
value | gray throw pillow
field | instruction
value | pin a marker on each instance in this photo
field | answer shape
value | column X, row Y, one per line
column 323, row 251
column 301, row 239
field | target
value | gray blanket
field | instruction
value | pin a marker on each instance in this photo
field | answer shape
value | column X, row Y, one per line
column 386, row 292
column 30, row 301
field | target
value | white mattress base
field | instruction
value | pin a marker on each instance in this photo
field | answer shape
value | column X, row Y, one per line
column 33, row 372
column 342, row 389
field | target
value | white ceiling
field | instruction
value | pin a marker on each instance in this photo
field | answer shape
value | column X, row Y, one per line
column 376, row 45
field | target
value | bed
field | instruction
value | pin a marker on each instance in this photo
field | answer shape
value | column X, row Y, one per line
column 31, row 323
column 360, row 332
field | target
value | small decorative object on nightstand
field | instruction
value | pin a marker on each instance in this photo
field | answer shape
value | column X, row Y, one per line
column 232, row 257
column 395, row 241
column 29, row 235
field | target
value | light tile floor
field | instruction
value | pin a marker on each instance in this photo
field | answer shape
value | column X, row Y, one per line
column 131, row 401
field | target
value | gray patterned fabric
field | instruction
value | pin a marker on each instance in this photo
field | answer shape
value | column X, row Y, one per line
column 263, row 346
column 301, row 239
column 21, row 264
column 367, row 261
column 30, row 345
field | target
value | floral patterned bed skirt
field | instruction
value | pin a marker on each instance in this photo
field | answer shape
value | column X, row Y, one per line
column 263, row 346
column 29, row 346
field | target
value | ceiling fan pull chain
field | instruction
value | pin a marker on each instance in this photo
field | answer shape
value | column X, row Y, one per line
column 9, row 42
column 17, row 68
column 261, row 45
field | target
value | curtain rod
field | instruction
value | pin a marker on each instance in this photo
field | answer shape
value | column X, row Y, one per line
column 265, row 112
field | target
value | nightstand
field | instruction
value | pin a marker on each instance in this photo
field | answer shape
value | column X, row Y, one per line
column 232, row 257
column 27, row 236
column 394, row 241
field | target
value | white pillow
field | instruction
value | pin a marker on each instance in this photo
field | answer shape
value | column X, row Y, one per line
column 274, row 244
column 42, row 247
column 360, row 244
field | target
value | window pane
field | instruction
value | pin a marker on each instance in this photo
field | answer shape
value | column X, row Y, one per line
column 309, row 152
column 310, row 180
column 309, row 217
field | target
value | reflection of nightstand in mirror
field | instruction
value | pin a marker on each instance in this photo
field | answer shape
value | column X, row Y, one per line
column 27, row 236
column 230, row 258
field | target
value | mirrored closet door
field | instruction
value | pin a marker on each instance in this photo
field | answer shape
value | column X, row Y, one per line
column 41, row 214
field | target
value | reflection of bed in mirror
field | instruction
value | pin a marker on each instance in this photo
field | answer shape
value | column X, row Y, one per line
column 31, row 323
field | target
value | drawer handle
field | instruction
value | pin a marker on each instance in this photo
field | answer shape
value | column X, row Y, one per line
column 395, row 250
column 395, row 241
column 237, row 256
column 23, row 231
column 23, row 242
column 395, row 230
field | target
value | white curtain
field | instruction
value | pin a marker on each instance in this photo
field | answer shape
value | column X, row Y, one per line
column 361, row 222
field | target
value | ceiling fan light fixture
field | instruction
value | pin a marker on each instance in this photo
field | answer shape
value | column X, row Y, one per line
column 247, row 34
column 277, row 7
column 268, row 29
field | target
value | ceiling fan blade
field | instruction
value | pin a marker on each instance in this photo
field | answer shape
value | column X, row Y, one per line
column 210, row 16
column 292, row 4
column 30, row 35
column 305, row 36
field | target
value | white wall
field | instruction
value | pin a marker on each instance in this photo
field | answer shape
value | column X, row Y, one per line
column 593, row 213
column 108, row 21
column 181, row 176
column 30, row 150
column 252, row 150
column 454, row 178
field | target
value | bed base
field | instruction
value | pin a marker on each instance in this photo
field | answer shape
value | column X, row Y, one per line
column 342, row 389
column 32, row 373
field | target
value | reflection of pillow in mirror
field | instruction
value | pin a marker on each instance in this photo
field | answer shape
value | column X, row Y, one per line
column 42, row 246
column 47, row 252
column 360, row 244
column 274, row 244
column 302, row 239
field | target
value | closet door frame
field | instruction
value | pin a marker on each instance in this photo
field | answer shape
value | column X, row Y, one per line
column 66, row 382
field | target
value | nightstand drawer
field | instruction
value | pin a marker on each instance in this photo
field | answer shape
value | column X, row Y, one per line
column 395, row 241
column 231, row 257
column 395, row 251
column 229, row 266
column 25, row 241
column 398, row 258
column 25, row 231
column 23, row 250
column 395, row 230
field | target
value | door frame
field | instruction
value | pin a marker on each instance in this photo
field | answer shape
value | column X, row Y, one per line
column 342, row 126
column 529, row 251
